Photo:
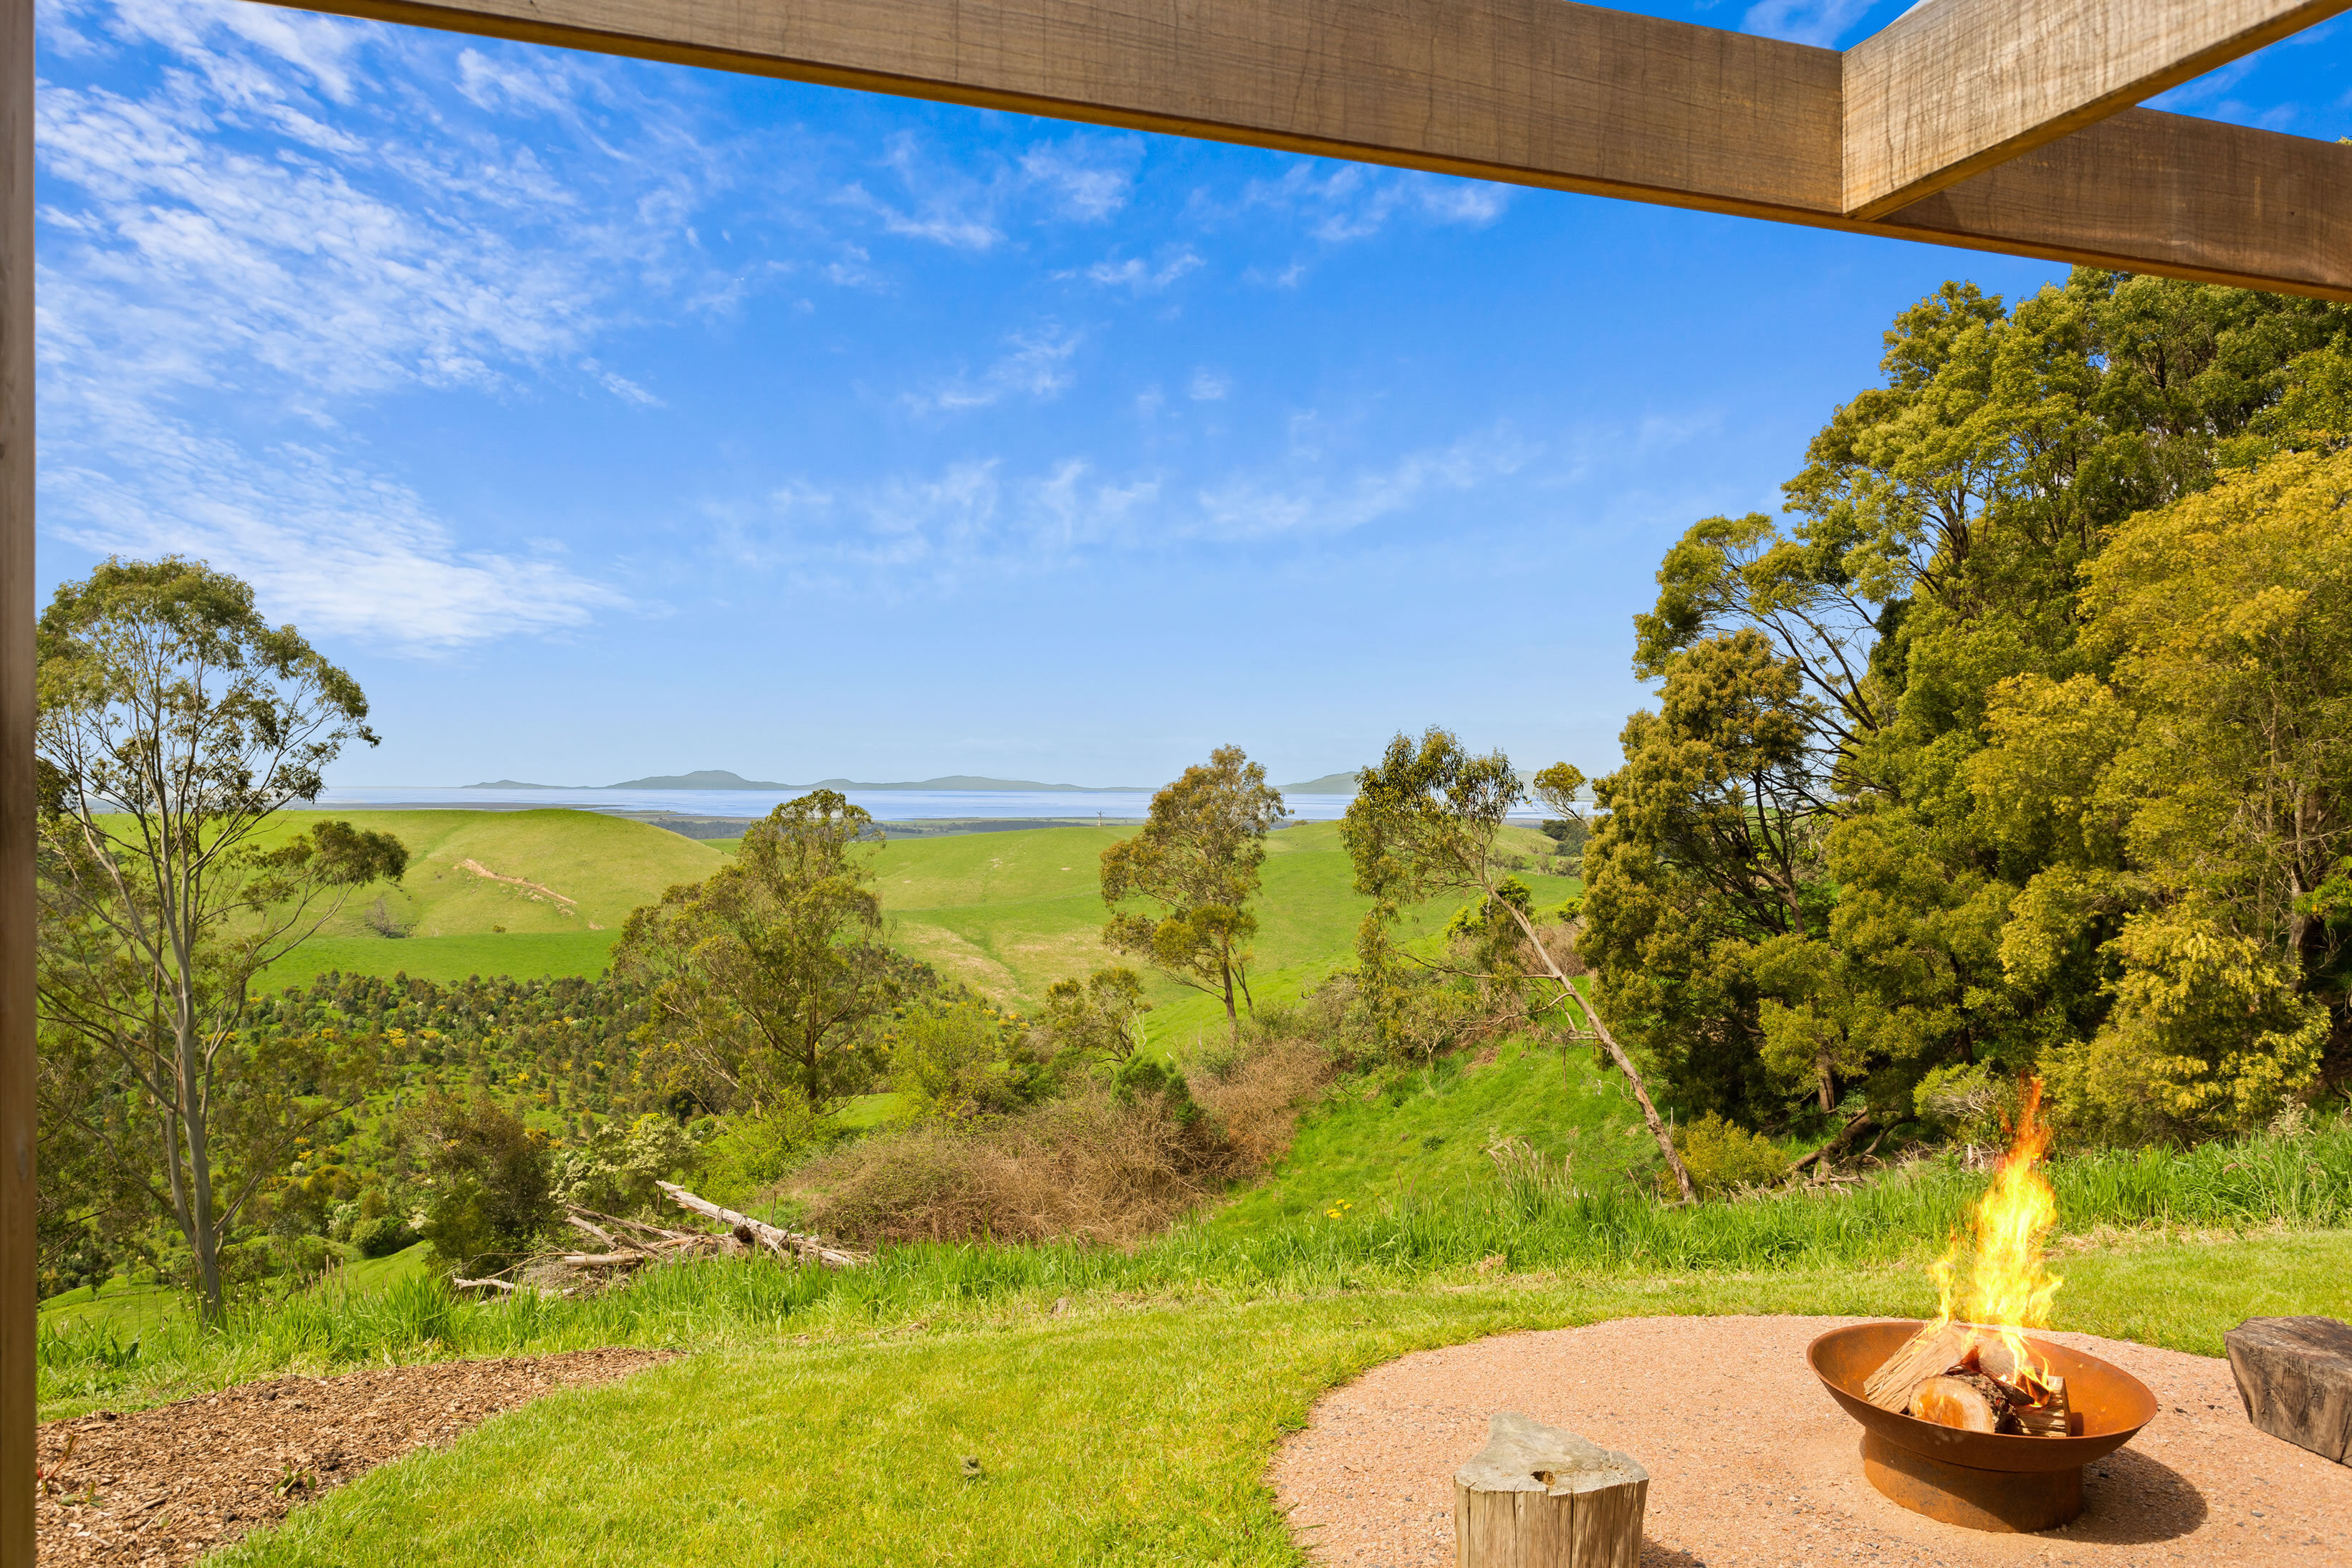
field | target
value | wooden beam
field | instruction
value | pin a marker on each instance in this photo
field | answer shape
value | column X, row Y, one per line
column 1952, row 87
column 1531, row 92
column 17, row 1212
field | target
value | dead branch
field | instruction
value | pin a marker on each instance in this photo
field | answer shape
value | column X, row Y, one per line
column 774, row 1239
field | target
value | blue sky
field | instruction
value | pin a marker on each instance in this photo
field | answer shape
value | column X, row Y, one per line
column 607, row 418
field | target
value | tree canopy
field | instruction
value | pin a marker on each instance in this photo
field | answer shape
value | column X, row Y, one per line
column 2017, row 743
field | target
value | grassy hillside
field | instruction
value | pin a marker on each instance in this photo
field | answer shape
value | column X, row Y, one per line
column 1011, row 913
column 488, row 892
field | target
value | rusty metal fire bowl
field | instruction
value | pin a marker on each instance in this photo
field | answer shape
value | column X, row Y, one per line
column 1983, row 1480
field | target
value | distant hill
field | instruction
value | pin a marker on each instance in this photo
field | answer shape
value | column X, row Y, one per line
column 704, row 778
column 967, row 781
column 514, row 784
column 1329, row 784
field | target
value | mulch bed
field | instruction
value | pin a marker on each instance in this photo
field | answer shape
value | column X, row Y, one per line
column 167, row 1485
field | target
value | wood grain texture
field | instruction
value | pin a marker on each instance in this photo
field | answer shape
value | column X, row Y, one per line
column 1955, row 87
column 1542, row 1497
column 1531, row 92
column 18, row 1320
column 2295, row 1376
column 2163, row 193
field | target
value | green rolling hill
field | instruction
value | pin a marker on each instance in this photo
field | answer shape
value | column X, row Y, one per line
column 544, row 892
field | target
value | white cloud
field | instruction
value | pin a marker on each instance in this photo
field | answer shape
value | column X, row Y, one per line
column 1209, row 386
column 1818, row 22
column 1254, row 507
column 1347, row 201
column 227, row 282
column 1086, row 177
column 1036, row 366
column 1136, row 274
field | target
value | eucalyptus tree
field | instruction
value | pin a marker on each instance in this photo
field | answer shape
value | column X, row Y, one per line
column 1425, row 823
column 762, row 976
column 175, row 724
column 1196, row 865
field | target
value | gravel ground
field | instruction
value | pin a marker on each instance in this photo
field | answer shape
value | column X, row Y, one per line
column 1751, row 1462
column 166, row 1485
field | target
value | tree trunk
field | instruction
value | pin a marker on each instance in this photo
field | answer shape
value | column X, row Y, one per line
column 1828, row 1086
column 1536, row 1497
column 197, row 1224
column 1233, row 1020
column 1658, row 1128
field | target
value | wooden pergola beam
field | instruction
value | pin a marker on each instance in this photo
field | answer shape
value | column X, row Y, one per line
column 1531, row 92
column 1952, row 87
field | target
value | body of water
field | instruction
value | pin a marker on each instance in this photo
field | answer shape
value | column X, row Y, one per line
column 883, row 805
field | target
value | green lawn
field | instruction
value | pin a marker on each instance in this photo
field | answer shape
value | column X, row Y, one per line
column 1127, row 1432
column 134, row 1309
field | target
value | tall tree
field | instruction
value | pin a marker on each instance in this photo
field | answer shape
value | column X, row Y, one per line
column 1197, row 860
column 762, row 976
column 175, row 724
column 1931, row 560
column 1425, row 822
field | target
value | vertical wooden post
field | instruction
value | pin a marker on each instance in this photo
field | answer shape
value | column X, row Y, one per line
column 17, row 785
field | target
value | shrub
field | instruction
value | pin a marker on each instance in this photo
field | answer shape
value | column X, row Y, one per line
column 1258, row 1096
column 614, row 1172
column 961, row 1060
column 491, row 1185
column 382, row 1236
column 1721, row 1155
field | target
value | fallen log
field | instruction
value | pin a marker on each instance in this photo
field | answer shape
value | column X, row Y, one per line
column 1840, row 1144
column 580, row 1223
column 656, row 1232
column 773, row 1237
column 616, row 1259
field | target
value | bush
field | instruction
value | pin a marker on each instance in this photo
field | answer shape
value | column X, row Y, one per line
column 1722, row 1156
column 961, row 1060
column 1258, row 1096
column 382, row 1236
column 490, row 1181
column 614, row 1172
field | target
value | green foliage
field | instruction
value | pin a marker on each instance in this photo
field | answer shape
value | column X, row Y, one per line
column 383, row 1235
column 613, row 1169
column 762, row 978
column 2013, row 748
column 490, row 1185
column 958, row 1060
column 173, row 723
column 1099, row 1022
column 1197, row 861
column 1723, row 1156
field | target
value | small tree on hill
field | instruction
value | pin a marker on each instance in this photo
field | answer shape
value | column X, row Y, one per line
column 175, row 724
column 762, row 976
column 1197, row 859
column 1425, row 822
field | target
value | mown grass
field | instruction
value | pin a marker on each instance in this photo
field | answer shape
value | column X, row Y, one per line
column 1126, row 1432
column 2258, row 1185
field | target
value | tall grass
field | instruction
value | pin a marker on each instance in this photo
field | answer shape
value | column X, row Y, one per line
column 1543, row 1225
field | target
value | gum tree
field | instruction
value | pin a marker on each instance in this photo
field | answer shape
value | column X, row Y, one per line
column 175, row 723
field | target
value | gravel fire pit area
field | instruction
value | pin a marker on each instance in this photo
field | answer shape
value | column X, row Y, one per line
column 1751, row 1462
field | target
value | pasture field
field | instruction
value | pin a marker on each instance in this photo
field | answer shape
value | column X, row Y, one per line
column 526, row 893
column 1008, row 912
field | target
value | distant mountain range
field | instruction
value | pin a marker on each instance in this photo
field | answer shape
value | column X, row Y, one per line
column 721, row 779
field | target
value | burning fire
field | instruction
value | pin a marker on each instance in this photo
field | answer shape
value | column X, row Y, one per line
column 1995, row 1279
column 1972, row 1366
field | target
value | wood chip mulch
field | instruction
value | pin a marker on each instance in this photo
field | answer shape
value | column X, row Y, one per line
column 164, row 1486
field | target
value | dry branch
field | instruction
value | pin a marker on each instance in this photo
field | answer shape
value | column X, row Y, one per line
column 775, row 1239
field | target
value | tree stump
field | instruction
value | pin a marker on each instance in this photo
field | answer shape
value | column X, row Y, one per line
column 1538, row 1497
column 2295, row 1377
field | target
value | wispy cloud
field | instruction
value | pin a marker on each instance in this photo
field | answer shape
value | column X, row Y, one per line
column 1036, row 365
column 1339, row 203
column 221, row 269
column 1820, row 21
column 1143, row 277
column 1209, row 386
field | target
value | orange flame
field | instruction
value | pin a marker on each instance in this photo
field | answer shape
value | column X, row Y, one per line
column 1995, row 1279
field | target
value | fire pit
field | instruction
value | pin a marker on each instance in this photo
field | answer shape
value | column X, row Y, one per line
column 1985, row 1480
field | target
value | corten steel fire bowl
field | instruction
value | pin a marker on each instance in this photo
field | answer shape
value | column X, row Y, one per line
column 1984, row 1480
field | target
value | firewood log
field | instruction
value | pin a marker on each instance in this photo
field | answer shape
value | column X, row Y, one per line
column 2051, row 1419
column 1537, row 1494
column 1926, row 1354
column 1967, row 1401
column 2295, row 1376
